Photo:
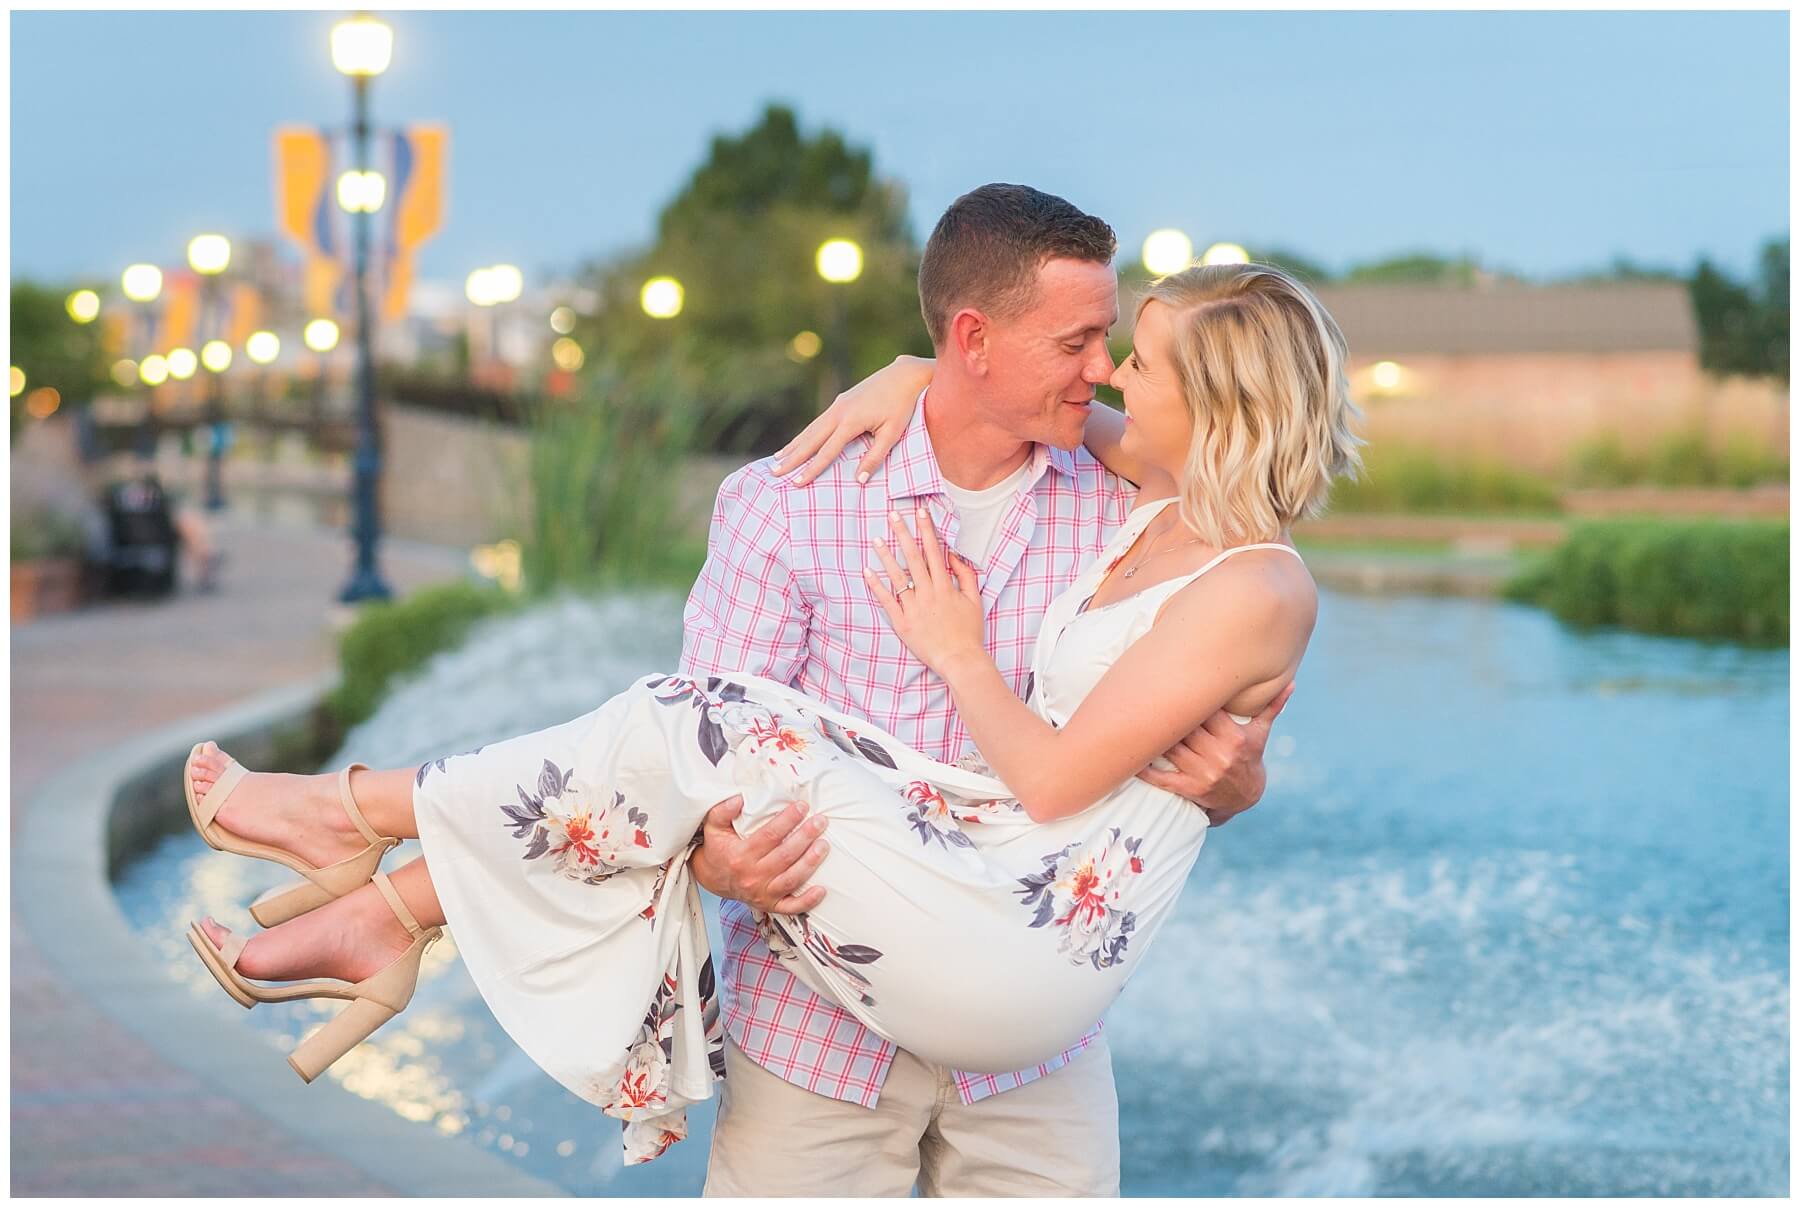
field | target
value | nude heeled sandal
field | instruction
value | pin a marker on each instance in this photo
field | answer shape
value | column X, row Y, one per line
column 373, row 1000
column 320, row 885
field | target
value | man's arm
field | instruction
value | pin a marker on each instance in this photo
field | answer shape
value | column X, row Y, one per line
column 746, row 613
column 1219, row 767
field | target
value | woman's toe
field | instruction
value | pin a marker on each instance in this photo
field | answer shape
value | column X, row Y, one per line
column 214, row 931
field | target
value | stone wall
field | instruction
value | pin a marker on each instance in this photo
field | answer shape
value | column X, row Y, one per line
column 462, row 482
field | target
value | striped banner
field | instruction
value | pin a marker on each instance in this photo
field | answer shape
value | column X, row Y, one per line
column 308, row 162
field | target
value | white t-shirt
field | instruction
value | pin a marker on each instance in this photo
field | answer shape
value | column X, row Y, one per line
column 979, row 513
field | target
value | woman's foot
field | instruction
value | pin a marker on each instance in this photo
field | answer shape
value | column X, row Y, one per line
column 298, row 814
column 351, row 938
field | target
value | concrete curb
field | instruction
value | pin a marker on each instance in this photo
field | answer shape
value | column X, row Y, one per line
column 75, row 829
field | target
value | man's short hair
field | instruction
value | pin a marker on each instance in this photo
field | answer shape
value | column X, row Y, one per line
column 986, row 250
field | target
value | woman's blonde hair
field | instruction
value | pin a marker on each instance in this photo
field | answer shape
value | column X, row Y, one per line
column 1262, row 368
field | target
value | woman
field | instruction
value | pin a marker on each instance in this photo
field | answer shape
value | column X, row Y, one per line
column 981, row 921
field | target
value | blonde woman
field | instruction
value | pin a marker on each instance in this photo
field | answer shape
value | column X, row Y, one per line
column 979, row 920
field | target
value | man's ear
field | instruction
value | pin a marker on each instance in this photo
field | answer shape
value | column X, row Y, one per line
column 970, row 332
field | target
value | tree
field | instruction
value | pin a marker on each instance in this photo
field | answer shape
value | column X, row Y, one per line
column 1308, row 270
column 1415, row 268
column 741, row 237
column 53, row 349
column 1726, row 315
column 1772, row 307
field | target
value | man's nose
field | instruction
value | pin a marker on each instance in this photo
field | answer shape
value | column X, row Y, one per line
column 1100, row 366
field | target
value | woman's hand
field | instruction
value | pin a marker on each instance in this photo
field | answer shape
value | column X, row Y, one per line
column 880, row 405
column 935, row 610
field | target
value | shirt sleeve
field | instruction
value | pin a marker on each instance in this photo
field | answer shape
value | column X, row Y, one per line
column 746, row 611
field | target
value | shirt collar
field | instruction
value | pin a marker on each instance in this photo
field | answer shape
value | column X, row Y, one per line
column 912, row 465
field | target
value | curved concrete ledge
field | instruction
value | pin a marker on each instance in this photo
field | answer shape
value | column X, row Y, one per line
column 76, row 829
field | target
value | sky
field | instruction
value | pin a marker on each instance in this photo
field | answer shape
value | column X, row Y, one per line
column 1543, row 143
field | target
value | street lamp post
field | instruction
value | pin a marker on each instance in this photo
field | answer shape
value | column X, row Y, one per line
column 262, row 347
column 141, row 285
column 488, row 288
column 320, row 335
column 840, row 262
column 210, row 255
column 361, row 48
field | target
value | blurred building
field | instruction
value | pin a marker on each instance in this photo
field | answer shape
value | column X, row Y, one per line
column 1565, row 343
column 1525, row 372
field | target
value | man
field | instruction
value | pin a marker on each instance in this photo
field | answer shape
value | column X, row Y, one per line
column 1018, row 293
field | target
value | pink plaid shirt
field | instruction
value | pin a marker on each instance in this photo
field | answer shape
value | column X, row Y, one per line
column 782, row 596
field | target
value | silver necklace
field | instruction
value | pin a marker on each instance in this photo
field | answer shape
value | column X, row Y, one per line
column 1138, row 565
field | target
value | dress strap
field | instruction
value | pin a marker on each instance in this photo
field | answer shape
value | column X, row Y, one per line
column 1236, row 549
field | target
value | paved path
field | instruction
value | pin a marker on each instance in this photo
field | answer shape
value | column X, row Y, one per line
column 94, row 1110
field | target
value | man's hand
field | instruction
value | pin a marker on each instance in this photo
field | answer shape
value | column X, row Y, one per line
column 768, row 869
column 1219, row 767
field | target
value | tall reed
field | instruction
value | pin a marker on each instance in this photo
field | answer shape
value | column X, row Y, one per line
column 604, row 470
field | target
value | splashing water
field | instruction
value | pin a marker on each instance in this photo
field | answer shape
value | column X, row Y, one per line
column 1511, row 920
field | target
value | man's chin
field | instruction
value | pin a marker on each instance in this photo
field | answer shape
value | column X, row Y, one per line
column 1070, row 429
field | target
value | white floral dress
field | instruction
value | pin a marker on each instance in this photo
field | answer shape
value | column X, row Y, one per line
column 952, row 925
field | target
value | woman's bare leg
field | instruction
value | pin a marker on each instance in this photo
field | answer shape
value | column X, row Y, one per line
column 386, row 800
column 351, row 937
column 302, row 814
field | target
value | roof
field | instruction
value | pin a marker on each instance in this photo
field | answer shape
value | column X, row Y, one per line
column 1627, row 316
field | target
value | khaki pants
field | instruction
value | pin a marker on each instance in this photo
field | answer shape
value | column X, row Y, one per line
column 1057, row 1136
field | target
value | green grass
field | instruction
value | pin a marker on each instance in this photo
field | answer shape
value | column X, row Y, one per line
column 390, row 639
column 1687, row 578
column 1400, row 479
column 1680, row 459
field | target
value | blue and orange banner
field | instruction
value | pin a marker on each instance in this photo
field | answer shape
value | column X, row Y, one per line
column 308, row 162
column 180, row 311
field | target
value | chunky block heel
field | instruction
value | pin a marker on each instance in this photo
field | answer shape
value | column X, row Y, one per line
column 373, row 1000
column 349, row 1028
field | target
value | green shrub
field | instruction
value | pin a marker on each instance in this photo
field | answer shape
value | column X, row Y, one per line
column 43, row 532
column 1688, row 578
column 387, row 640
column 1745, row 462
column 1603, row 462
column 1686, row 458
column 1681, row 459
column 1414, row 480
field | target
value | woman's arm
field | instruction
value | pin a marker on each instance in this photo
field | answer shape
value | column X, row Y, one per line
column 881, row 406
column 1242, row 626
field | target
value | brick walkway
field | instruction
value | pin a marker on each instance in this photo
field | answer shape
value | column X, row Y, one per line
column 95, row 1112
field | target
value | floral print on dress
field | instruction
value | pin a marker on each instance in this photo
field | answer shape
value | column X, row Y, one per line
column 439, row 763
column 855, row 745
column 584, row 845
column 931, row 818
column 840, row 957
column 679, row 689
column 764, row 734
column 642, row 1086
column 1080, row 892
column 662, row 875
column 644, row 1082
column 727, row 711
